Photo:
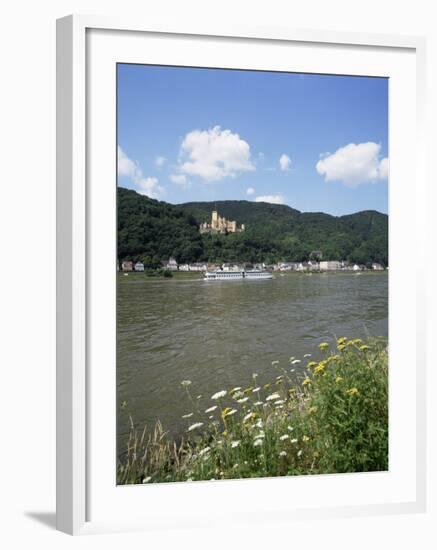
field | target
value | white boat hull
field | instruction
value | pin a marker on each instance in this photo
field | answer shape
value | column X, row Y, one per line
column 237, row 275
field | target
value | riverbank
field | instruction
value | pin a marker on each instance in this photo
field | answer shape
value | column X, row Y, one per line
column 333, row 419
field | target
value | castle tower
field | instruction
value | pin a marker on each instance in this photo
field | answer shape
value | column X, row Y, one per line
column 214, row 219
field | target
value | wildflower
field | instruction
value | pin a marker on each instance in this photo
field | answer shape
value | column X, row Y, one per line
column 320, row 367
column 249, row 416
column 190, row 479
column 257, row 442
column 283, row 453
column 338, row 379
column 247, row 390
column 195, row 425
column 352, row 391
column 242, row 400
column 306, row 381
column 204, row 451
column 313, row 409
column 305, row 438
column 312, row 364
column 259, row 423
column 147, row 479
column 185, row 382
column 279, row 402
column 254, row 375
column 238, row 388
column 284, row 437
column 292, row 370
column 266, row 386
column 299, row 453
column 211, row 417
column 219, row 395
column 238, row 394
column 357, row 341
column 307, row 355
column 189, row 415
column 279, row 382
column 280, row 377
column 341, row 347
column 324, row 346
column 228, row 412
column 211, row 409
column 291, row 359
column 296, row 361
column 290, row 428
column 255, row 390
column 273, row 396
column 235, row 444
column 199, row 397
column 293, row 440
column 258, row 403
column 261, row 435
column 341, row 340
column 364, row 348
column 275, row 362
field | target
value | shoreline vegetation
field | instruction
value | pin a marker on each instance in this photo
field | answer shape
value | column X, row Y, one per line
column 314, row 417
column 166, row 274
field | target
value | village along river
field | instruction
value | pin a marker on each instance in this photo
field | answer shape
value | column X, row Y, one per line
column 217, row 333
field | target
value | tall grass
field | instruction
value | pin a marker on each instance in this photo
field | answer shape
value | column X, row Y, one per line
column 334, row 419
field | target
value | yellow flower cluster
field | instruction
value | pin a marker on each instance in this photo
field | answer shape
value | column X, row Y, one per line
column 352, row 391
column 324, row 346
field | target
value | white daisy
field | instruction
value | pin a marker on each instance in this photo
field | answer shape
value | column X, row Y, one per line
column 147, row 479
column 204, row 451
column 211, row 409
column 219, row 394
column 275, row 362
column 256, row 389
column 257, row 442
column 282, row 453
column 299, row 453
column 242, row 400
column 296, row 361
column 194, row 426
column 273, row 396
column 293, row 440
column 235, row 444
column 185, row 382
column 284, row 437
column 189, row 415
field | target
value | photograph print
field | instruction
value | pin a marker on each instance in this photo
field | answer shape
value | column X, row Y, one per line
column 252, row 274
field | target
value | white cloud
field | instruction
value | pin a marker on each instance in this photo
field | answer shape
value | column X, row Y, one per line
column 126, row 166
column 250, row 191
column 354, row 164
column 160, row 161
column 145, row 186
column 180, row 179
column 273, row 199
column 285, row 162
column 214, row 154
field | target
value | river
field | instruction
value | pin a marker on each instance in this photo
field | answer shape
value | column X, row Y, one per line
column 217, row 333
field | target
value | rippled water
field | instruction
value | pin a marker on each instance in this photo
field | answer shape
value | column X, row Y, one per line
column 218, row 333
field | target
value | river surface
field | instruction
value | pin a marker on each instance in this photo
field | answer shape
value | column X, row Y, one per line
column 218, row 333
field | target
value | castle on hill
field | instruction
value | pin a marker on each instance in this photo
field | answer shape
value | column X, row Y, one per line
column 220, row 225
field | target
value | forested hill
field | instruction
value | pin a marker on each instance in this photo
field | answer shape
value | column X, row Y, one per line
column 152, row 231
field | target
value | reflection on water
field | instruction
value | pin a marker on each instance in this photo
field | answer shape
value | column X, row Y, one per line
column 218, row 333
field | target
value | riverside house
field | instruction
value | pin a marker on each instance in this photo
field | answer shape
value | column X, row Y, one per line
column 171, row 265
column 126, row 265
column 139, row 266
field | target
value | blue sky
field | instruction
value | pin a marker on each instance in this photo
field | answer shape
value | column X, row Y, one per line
column 317, row 143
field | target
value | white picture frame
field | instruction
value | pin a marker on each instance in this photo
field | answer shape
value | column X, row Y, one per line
column 76, row 375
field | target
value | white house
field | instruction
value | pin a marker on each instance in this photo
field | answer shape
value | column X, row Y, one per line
column 377, row 267
column 330, row 266
column 198, row 266
column 356, row 268
column 171, row 265
column 139, row 266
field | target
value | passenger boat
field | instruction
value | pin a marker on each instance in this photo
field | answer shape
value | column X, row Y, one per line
column 253, row 275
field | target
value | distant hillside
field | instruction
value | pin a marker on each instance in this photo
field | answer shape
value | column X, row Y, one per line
column 152, row 231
